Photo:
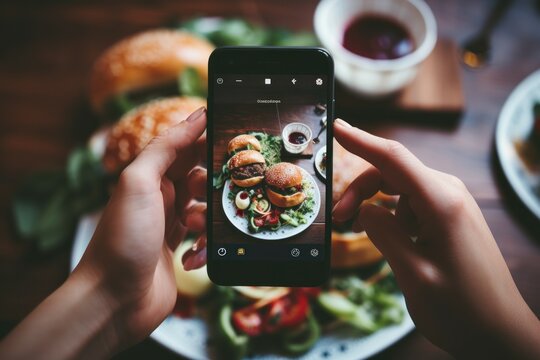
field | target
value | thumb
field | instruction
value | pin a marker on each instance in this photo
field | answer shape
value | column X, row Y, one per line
column 162, row 151
column 388, row 235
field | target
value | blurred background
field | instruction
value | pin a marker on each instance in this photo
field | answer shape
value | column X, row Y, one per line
column 446, row 114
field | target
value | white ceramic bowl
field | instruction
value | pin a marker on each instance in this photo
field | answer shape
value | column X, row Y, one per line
column 369, row 77
column 296, row 127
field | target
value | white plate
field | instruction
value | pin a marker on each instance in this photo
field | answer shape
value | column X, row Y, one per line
column 515, row 122
column 317, row 161
column 284, row 232
column 189, row 337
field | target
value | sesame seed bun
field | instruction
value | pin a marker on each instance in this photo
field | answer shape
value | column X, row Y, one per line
column 144, row 60
column 282, row 176
column 245, row 157
column 135, row 129
column 242, row 141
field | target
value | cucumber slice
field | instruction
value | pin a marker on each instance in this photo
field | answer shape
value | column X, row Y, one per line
column 289, row 220
column 337, row 304
column 252, row 226
column 234, row 344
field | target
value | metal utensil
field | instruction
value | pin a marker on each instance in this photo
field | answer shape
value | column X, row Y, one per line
column 477, row 50
column 323, row 126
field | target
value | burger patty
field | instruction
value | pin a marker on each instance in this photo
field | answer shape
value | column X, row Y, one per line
column 287, row 191
column 248, row 171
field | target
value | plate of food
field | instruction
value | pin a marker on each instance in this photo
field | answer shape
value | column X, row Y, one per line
column 517, row 141
column 320, row 161
column 282, row 205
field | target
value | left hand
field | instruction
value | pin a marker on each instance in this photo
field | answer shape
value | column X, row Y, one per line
column 149, row 213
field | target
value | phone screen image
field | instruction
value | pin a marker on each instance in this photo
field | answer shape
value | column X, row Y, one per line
column 270, row 151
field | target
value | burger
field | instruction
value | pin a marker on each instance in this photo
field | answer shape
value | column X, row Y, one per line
column 243, row 142
column 284, row 185
column 145, row 66
column 126, row 139
column 247, row 168
column 352, row 249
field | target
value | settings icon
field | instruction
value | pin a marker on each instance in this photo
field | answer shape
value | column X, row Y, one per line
column 318, row 82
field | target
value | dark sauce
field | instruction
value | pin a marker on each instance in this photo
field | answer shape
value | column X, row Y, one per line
column 377, row 37
column 297, row 138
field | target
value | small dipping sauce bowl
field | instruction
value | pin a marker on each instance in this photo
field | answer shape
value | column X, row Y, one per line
column 296, row 137
column 382, row 76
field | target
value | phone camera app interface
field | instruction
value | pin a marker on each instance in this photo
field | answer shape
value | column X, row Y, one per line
column 269, row 154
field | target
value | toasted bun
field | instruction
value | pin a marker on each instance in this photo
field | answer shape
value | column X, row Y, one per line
column 351, row 250
column 248, row 182
column 136, row 128
column 245, row 157
column 285, row 201
column 284, row 175
column 241, row 141
column 147, row 59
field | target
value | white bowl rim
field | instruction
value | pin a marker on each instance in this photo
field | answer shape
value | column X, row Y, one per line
column 410, row 60
column 296, row 124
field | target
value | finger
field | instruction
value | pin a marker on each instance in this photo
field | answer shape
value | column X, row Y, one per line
column 195, row 257
column 176, row 235
column 194, row 217
column 405, row 216
column 202, row 147
column 363, row 187
column 196, row 182
column 388, row 236
column 398, row 166
column 162, row 151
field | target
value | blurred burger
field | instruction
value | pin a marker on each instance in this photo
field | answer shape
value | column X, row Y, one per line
column 284, row 185
column 243, row 142
column 247, row 168
column 126, row 139
column 352, row 249
column 146, row 65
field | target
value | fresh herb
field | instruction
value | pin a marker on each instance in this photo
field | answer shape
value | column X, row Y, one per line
column 270, row 147
column 220, row 178
column 191, row 84
column 47, row 206
column 239, row 32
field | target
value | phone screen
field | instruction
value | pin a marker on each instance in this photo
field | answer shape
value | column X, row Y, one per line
column 270, row 156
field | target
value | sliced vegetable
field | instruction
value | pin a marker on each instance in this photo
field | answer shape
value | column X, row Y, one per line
column 302, row 338
column 288, row 311
column 248, row 321
column 234, row 345
column 337, row 304
column 191, row 84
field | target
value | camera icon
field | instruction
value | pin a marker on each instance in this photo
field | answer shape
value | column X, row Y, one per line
column 219, row 81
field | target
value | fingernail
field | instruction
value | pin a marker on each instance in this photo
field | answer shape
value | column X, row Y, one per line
column 342, row 122
column 196, row 114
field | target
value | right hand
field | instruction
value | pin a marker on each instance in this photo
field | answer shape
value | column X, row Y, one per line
column 457, row 286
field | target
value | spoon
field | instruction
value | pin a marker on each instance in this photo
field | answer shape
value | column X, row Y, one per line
column 323, row 126
column 476, row 51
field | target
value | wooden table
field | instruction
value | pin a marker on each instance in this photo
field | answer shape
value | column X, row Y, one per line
column 47, row 51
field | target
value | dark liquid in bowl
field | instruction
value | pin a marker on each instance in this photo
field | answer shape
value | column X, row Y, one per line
column 377, row 37
column 297, row 138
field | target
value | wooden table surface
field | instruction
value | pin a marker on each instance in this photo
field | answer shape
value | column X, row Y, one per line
column 48, row 48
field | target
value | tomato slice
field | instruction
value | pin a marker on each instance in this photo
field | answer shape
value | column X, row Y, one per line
column 259, row 221
column 287, row 311
column 310, row 292
column 248, row 321
column 272, row 219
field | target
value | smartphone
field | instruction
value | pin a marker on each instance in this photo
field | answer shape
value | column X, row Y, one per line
column 269, row 136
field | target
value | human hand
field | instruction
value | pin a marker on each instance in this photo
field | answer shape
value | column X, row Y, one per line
column 149, row 213
column 458, row 288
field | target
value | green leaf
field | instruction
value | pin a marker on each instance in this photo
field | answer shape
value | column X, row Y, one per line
column 83, row 169
column 31, row 198
column 191, row 84
column 57, row 221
